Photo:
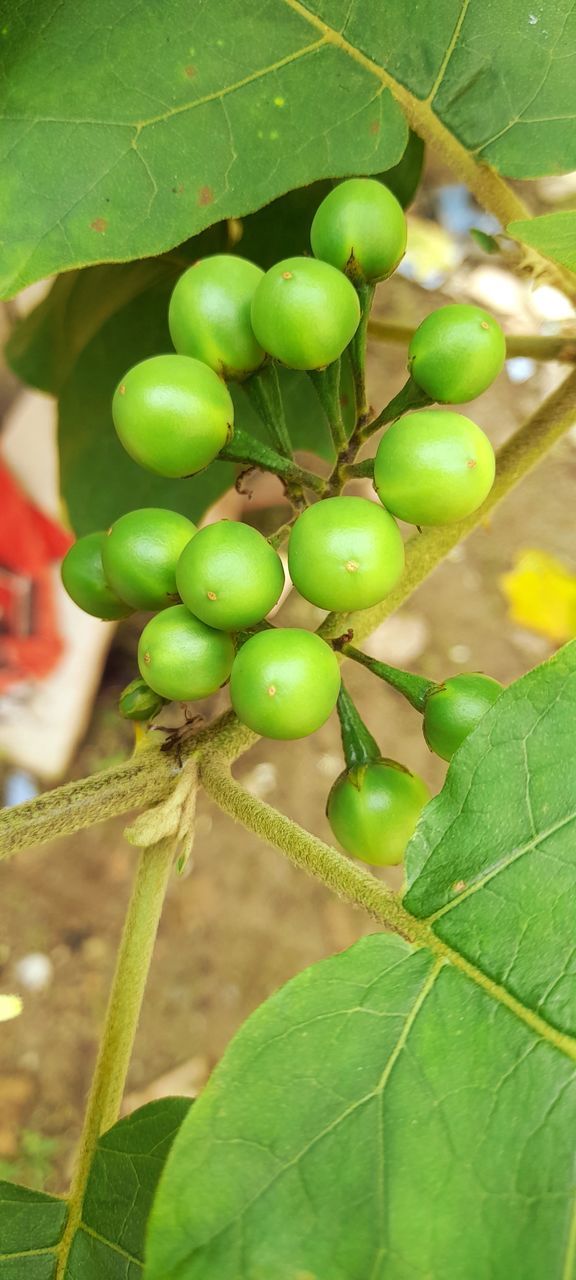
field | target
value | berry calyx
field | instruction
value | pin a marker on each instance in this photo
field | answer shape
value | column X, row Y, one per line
column 140, row 554
column 360, row 228
column 173, row 415
column 453, row 709
column 345, row 553
column 304, row 313
column 209, row 315
column 230, row 576
column 433, row 467
column 181, row 658
column 83, row 577
column 456, row 353
column 373, row 810
column 139, row 702
column 284, row 683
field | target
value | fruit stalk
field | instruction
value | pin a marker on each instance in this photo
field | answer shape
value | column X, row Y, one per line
column 412, row 687
column 327, row 385
column 263, row 390
column 245, row 448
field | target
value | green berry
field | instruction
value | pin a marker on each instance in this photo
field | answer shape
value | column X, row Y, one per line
column 360, row 228
column 433, row 467
column 181, row 658
column 345, row 553
column 373, row 810
column 84, row 580
column 139, row 702
column 304, row 313
column 230, row 576
column 173, row 415
column 285, row 683
column 209, row 315
column 140, row 554
column 454, row 708
column 456, row 353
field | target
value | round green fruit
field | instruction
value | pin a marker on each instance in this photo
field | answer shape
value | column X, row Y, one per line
column 139, row 702
column 304, row 313
column 454, row 708
column 140, row 554
column 209, row 315
column 345, row 553
column 360, row 228
column 230, row 576
column 285, row 683
column 456, row 353
column 84, row 580
column 181, row 658
column 373, row 810
column 173, row 415
column 433, row 467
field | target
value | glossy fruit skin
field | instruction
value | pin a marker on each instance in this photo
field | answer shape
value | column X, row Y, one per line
column 456, row 353
column 433, row 467
column 173, row 415
column 373, row 811
column 345, row 553
column 360, row 228
column 140, row 553
column 230, row 576
column 138, row 702
column 454, row 708
column 304, row 313
column 83, row 577
column 285, row 683
column 209, row 315
column 181, row 658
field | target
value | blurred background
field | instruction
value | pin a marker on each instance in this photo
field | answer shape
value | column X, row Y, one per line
column 240, row 921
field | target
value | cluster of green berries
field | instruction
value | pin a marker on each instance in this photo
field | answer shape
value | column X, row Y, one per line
column 174, row 415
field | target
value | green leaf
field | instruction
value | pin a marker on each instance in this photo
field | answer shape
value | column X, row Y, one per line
column 397, row 1113
column 553, row 234
column 109, row 1241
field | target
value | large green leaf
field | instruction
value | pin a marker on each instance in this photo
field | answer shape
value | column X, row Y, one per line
column 109, row 1241
column 401, row 1113
column 129, row 129
column 553, row 234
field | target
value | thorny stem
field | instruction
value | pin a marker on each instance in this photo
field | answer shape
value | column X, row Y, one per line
column 122, row 1015
column 537, row 346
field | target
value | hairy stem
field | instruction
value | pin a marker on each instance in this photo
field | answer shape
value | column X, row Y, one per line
column 412, row 687
column 538, row 346
column 246, row 449
column 121, row 1021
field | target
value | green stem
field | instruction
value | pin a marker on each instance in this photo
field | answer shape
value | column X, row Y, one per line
column 327, row 385
column 246, row 449
column 121, row 1021
column 263, row 390
column 411, row 396
column 358, row 745
column 425, row 551
column 358, row 351
column 358, row 470
column 537, row 346
column 414, row 688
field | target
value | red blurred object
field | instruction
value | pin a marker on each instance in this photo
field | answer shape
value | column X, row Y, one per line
column 30, row 644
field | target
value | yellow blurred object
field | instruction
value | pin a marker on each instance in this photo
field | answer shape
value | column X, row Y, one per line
column 431, row 253
column 10, row 1007
column 541, row 595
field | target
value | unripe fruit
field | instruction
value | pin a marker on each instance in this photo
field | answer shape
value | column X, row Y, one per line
column 140, row 553
column 345, row 553
column 360, row 228
column 454, row 708
column 373, row 810
column 84, row 580
column 285, row 683
column 209, row 315
column 173, row 415
column 456, row 353
column 304, row 313
column 138, row 702
column 181, row 658
column 230, row 576
column 433, row 467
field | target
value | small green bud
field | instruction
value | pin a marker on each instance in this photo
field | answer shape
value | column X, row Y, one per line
column 138, row 702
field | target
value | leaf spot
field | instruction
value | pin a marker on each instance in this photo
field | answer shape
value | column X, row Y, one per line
column 205, row 196
column 375, row 126
column 459, row 886
column 279, row 102
column 190, row 71
column 99, row 224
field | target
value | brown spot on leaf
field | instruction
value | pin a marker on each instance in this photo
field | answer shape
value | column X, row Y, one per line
column 205, row 196
column 190, row 72
column 375, row 126
column 99, row 224
column 459, row 886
